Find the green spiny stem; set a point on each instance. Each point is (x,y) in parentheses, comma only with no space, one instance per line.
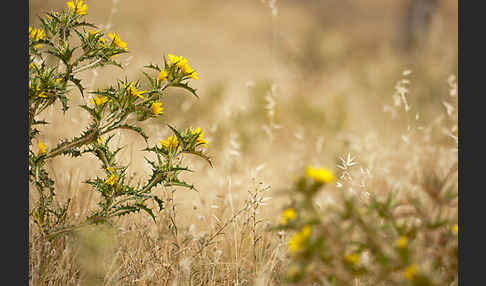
(76,143)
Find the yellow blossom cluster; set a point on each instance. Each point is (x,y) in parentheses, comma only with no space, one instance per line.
(183,65)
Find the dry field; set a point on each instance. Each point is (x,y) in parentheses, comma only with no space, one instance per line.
(310,84)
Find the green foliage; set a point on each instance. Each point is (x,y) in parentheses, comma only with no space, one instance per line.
(372,241)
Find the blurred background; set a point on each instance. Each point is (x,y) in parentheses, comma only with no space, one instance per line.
(282,84)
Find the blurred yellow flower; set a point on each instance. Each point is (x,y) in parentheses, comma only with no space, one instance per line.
(296,241)
(410,272)
(320,175)
(455,228)
(171,141)
(162,76)
(117,41)
(111,180)
(200,139)
(352,258)
(287,215)
(42,94)
(41,147)
(401,242)
(100,140)
(78,8)
(157,108)
(306,231)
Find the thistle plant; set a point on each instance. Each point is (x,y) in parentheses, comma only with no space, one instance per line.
(78,45)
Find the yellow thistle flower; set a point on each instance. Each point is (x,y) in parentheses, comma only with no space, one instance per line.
(410,272)
(401,242)
(287,215)
(36,34)
(455,228)
(78,8)
(189,71)
(162,75)
(111,180)
(171,141)
(117,41)
(157,108)
(352,258)
(320,175)
(200,139)
(182,63)
(100,140)
(41,147)
(42,94)
(175,60)
(58,80)
(134,91)
(99,100)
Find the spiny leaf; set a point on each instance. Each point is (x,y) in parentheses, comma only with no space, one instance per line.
(186,87)
(145,208)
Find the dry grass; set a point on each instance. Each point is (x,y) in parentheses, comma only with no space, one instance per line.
(332,75)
